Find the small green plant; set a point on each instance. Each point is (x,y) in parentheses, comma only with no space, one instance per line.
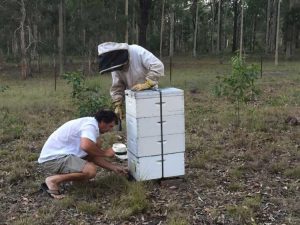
(3,88)
(239,87)
(87,100)
(77,81)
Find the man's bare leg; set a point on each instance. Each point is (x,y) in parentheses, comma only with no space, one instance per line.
(88,172)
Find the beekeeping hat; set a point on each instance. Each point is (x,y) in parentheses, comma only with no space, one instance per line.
(112,56)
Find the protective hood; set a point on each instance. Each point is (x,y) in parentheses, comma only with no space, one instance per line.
(112,56)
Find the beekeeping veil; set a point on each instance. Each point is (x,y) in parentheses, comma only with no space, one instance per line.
(112,56)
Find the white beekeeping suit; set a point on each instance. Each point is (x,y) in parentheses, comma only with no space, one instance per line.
(132,67)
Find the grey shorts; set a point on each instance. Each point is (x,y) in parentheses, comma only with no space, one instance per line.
(66,164)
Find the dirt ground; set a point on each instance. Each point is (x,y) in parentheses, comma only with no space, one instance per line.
(233,175)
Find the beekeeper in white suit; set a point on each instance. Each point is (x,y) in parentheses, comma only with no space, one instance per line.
(131,66)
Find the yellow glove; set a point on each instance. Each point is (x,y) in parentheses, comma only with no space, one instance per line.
(147,85)
(119,109)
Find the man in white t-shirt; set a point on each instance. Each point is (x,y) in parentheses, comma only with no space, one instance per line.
(71,152)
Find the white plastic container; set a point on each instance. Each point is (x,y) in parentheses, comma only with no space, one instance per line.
(148,168)
(149,146)
(147,103)
(145,112)
(151,126)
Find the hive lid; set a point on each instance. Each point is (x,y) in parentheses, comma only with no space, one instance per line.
(171,91)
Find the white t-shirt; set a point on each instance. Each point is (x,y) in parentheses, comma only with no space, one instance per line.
(66,139)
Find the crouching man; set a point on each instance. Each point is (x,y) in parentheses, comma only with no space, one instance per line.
(71,153)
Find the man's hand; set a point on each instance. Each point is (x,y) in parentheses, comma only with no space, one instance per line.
(118,108)
(147,85)
(109,153)
(120,170)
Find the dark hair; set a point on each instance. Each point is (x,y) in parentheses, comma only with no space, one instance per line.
(107,116)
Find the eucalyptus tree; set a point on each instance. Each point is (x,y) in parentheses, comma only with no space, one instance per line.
(272,25)
(219,26)
(196,28)
(162,22)
(254,21)
(277,33)
(291,26)
(242,28)
(235,25)
(126,17)
(61,36)
(145,6)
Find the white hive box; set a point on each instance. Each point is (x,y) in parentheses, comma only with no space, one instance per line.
(148,168)
(147,103)
(145,134)
(148,146)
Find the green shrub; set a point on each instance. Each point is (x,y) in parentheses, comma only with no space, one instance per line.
(87,100)
(239,87)
(3,88)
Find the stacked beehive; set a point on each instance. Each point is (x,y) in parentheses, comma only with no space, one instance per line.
(155,133)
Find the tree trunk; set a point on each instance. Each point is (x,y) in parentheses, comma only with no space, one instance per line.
(134,25)
(8,48)
(61,38)
(24,64)
(277,34)
(145,6)
(89,62)
(242,26)
(162,27)
(290,37)
(219,28)
(268,27)
(235,21)
(83,26)
(126,16)
(273,24)
(195,30)
(172,15)
(253,40)
(212,26)
(14,45)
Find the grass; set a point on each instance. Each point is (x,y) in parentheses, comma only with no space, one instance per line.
(177,220)
(133,202)
(90,208)
(293,172)
(246,210)
(226,165)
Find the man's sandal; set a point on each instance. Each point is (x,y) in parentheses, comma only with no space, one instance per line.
(56,194)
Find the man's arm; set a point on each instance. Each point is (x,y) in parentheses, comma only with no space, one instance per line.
(118,87)
(93,150)
(154,66)
(95,155)
(101,162)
